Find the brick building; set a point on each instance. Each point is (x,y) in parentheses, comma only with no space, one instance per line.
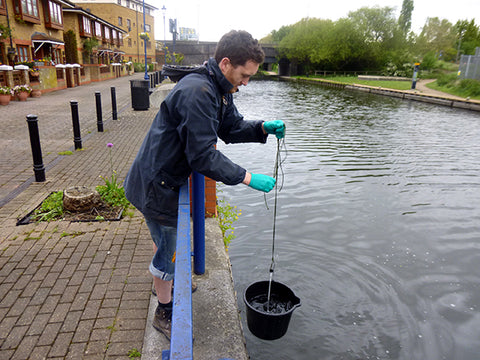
(128,16)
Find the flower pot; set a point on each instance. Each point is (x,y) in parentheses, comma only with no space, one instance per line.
(5,99)
(22,96)
(36,93)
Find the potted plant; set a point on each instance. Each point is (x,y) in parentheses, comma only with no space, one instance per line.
(6,94)
(34,72)
(22,91)
(144,36)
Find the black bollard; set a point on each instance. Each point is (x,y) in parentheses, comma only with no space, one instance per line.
(114,103)
(77,137)
(38,168)
(98,101)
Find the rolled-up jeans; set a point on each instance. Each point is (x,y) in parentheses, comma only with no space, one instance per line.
(165,238)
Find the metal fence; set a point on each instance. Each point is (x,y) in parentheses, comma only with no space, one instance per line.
(469,67)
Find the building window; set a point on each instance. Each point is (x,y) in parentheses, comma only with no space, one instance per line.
(22,52)
(55,12)
(98,30)
(86,27)
(127,3)
(129,25)
(106,32)
(27,10)
(53,15)
(119,2)
(57,56)
(3,8)
(120,21)
(129,42)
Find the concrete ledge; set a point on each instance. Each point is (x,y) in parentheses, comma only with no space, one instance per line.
(384,78)
(159,94)
(217,328)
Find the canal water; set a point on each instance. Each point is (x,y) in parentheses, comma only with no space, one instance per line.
(378,224)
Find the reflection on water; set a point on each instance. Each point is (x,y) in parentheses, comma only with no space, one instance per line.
(378,224)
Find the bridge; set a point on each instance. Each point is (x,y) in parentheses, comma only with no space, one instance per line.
(196,53)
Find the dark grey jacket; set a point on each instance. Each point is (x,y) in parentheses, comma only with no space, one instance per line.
(182,138)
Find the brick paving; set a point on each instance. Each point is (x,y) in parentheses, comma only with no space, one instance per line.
(71,290)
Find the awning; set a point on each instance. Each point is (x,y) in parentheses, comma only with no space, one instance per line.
(39,39)
(104,51)
(117,53)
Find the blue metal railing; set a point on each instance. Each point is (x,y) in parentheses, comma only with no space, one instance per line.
(181,344)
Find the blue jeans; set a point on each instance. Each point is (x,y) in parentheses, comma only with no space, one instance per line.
(165,238)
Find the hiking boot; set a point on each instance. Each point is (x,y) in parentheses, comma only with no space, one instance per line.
(194,288)
(162,321)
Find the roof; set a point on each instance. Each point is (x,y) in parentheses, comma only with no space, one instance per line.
(44,38)
(79,10)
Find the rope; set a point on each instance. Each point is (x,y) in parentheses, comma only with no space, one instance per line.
(278,165)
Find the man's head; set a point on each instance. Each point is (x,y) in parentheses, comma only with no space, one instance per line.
(238,55)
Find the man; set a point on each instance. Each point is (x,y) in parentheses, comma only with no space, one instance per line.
(196,112)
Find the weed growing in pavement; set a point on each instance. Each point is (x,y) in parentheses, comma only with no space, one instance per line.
(112,192)
(51,208)
(134,353)
(227,215)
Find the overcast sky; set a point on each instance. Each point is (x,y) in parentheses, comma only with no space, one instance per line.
(213,18)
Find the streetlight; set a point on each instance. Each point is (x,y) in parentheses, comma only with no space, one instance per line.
(145,43)
(164,11)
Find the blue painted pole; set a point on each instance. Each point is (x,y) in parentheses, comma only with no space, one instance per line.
(198,201)
(181,346)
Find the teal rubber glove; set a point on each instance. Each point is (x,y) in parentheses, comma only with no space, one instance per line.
(276,127)
(262,182)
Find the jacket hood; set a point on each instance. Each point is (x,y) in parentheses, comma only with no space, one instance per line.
(222,82)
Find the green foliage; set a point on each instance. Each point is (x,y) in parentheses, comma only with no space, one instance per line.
(5,31)
(89,44)
(371,38)
(429,61)
(395,84)
(71,54)
(449,83)
(169,57)
(134,353)
(227,215)
(446,79)
(51,208)
(113,192)
(470,87)
(140,67)
(468,36)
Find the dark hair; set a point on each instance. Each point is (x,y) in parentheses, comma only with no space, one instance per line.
(239,46)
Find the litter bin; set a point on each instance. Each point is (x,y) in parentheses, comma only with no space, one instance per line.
(140,94)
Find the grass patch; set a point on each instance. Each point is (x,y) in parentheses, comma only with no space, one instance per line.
(68,152)
(464,88)
(397,85)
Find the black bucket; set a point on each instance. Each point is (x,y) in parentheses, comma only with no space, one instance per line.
(269,324)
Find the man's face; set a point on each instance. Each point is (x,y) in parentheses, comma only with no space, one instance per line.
(239,75)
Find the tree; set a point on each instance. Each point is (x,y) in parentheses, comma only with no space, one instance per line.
(437,36)
(405,18)
(88,45)
(468,37)
(71,54)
